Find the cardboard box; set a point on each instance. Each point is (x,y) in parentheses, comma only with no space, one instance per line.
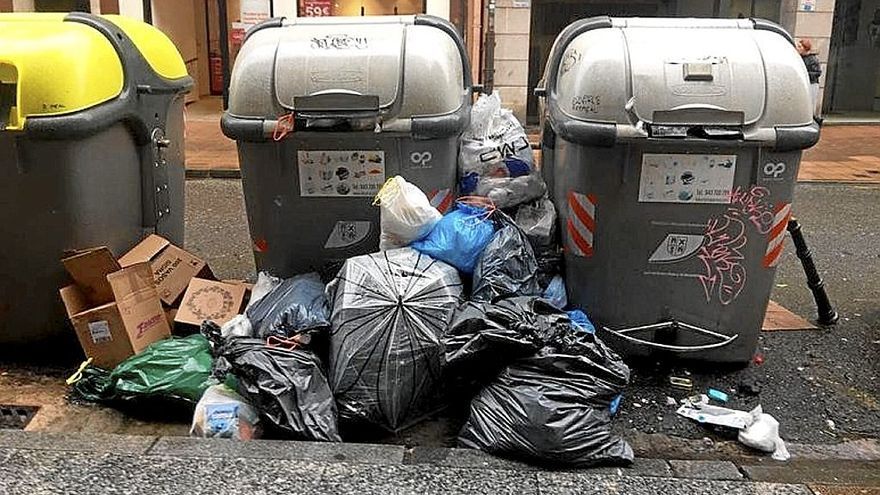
(210,300)
(173,267)
(89,269)
(109,333)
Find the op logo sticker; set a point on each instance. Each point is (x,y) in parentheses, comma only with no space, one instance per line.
(774,170)
(676,247)
(347,233)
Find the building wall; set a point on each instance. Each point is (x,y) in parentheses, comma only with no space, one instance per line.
(815,24)
(512,27)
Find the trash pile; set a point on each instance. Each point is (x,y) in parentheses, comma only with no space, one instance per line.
(467,306)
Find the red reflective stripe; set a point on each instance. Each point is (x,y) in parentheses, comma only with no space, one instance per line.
(446,203)
(772,256)
(581,213)
(578,240)
(778,229)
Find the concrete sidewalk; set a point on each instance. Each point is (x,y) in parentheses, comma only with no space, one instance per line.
(74,463)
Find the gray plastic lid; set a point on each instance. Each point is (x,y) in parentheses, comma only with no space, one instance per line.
(628,72)
(400,67)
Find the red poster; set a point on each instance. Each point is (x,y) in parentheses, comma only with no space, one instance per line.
(317,8)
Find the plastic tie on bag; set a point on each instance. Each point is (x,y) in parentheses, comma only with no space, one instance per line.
(77,375)
(388,190)
(283,127)
(481,202)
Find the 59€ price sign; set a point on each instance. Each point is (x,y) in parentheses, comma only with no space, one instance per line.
(317,8)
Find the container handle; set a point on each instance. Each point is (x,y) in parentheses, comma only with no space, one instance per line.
(624,334)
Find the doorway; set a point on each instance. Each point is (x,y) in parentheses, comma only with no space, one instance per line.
(853,79)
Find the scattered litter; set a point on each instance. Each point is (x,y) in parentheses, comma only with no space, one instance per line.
(758,359)
(670,401)
(702,412)
(637,405)
(717,395)
(782,286)
(222,413)
(800,368)
(681,383)
(831,425)
(406,214)
(763,435)
(749,386)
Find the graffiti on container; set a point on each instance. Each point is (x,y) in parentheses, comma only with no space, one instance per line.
(752,203)
(721,254)
(586,103)
(340,42)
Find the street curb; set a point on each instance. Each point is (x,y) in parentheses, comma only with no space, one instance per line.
(218,173)
(801,471)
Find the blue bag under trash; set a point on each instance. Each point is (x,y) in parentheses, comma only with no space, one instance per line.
(459,237)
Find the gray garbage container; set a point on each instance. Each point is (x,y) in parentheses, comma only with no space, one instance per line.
(91,153)
(674,150)
(324,110)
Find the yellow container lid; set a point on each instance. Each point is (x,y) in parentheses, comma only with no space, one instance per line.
(54,66)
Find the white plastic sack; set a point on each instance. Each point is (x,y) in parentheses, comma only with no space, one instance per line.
(495,159)
(538,221)
(265,284)
(406,214)
(240,326)
(222,413)
(763,435)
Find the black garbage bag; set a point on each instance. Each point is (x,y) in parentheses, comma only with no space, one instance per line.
(288,387)
(295,306)
(553,408)
(389,312)
(482,338)
(507,265)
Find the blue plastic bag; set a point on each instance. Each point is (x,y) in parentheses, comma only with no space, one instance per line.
(555,293)
(580,321)
(459,237)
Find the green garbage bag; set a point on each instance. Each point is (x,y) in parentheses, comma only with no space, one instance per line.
(177,368)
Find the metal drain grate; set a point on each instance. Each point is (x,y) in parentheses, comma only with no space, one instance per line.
(16,417)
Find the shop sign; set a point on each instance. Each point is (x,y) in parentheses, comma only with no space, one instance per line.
(317,8)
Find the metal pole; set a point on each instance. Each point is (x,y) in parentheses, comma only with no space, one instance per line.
(224,49)
(489,52)
(827,314)
(148,11)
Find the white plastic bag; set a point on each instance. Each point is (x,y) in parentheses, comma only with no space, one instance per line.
(406,214)
(538,221)
(222,413)
(265,284)
(763,435)
(495,159)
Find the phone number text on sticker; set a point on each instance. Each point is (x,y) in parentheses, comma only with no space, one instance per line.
(334,173)
(680,178)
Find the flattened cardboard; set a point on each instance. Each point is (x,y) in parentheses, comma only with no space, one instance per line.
(89,270)
(172,266)
(210,300)
(137,299)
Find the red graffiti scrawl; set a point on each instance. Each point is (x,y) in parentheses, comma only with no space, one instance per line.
(751,203)
(722,257)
